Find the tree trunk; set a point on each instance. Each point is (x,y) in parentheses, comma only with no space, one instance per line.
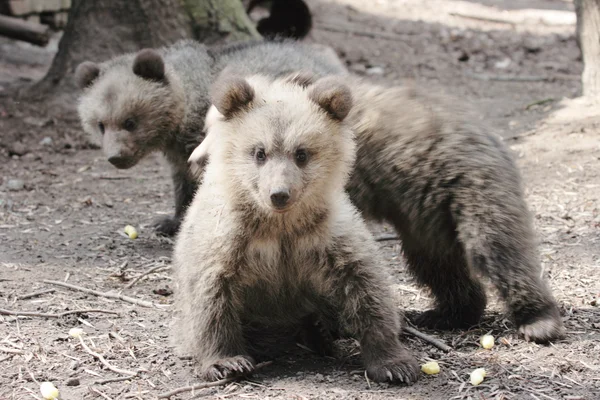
(100,29)
(588,37)
(220,20)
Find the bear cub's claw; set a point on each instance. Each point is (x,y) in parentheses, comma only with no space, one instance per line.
(402,368)
(544,327)
(229,367)
(167,226)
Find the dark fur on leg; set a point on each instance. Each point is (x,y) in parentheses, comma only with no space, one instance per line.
(509,259)
(460,298)
(216,329)
(185,187)
(369,314)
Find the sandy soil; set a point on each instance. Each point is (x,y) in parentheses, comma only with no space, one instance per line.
(516,61)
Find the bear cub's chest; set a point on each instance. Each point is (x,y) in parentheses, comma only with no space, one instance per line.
(283,278)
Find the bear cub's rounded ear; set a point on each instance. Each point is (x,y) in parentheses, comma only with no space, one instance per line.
(86,73)
(302,78)
(332,96)
(231,95)
(148,64)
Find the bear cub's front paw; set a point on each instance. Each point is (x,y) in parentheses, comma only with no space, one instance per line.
(229,367)
(401,368)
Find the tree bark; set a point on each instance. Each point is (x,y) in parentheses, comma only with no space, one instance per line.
(588,37)
(100,29)
(220,20)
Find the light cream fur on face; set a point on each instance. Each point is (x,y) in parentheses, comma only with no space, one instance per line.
(119,95)
(280,119)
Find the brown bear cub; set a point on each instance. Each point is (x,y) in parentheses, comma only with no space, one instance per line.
(271,237)
(454,194)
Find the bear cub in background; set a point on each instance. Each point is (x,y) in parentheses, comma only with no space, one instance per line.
(271,236)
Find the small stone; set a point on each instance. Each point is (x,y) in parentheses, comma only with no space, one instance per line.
(463,56)
(503,64)
(74,365)
(72,382)
(358,68)
(39,122)
(319,377)
(18,149)
(15,184)
(375,71)
(47,141)
(532,45)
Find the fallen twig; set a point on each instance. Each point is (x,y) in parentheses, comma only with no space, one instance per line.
(114,178)
(59,315)
(11,351)
(384,238)
(36,294)
(208,384)
(351,30)
(111,380)
(483,18)
(150,271)
(508,78)
(94,390)
(539,103)
(104,362)
(436,342)
(367,379)
(117,296)
(523,78)
(520,135)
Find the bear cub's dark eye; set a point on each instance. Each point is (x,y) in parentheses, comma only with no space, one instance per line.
(260,155)
(101,127)
(129,124)
(301,157)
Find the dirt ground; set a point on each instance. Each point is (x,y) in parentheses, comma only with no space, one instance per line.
(63,209)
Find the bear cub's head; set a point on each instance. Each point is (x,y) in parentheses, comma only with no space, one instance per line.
(280,144)
(130,105)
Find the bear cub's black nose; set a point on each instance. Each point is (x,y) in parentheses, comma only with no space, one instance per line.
(280,198)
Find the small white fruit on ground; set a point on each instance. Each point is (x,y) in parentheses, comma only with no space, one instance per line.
(477,376)
(76,332)
(131,232)
(49,391)
(487,341)
(430,368)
